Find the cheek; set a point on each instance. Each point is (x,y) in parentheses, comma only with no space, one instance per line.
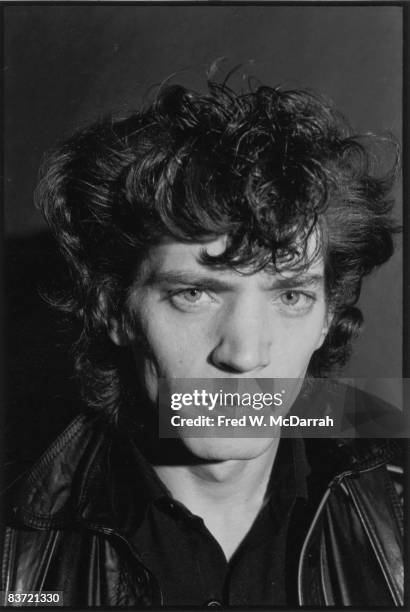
(303,339)
(173,349)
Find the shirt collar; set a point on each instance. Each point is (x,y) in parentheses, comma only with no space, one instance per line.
(288,479)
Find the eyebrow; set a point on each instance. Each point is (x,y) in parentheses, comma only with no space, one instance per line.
(186,278)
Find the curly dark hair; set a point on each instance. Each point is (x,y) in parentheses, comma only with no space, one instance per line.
(268,168)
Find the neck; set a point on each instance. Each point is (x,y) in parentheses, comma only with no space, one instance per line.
(223,482)
(227,495)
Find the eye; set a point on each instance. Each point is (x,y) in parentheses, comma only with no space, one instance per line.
(297,302)
(191,295)
(189,299)
(291,298)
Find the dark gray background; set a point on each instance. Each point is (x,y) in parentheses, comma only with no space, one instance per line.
(68,65)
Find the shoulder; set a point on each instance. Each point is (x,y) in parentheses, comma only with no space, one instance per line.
(89,476)
(43,496)
(355,524)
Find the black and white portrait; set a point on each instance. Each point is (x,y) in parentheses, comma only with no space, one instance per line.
(202,202)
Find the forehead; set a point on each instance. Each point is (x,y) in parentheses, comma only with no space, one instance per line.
(171,256)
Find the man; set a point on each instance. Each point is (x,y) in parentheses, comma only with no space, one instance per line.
(217,236)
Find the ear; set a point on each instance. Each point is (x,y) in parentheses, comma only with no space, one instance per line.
(115,326)
(325,329)
(117,333)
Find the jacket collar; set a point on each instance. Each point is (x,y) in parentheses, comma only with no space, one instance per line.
(82,477)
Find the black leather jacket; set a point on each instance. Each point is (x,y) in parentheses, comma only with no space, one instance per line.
(70,524)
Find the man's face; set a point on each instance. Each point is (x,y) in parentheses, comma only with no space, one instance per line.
(202,322)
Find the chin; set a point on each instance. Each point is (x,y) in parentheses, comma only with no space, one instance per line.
(227,449)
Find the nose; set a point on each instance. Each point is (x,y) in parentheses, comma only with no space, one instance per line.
(244,343)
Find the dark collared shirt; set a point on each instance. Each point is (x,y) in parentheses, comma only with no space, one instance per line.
(188,562)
